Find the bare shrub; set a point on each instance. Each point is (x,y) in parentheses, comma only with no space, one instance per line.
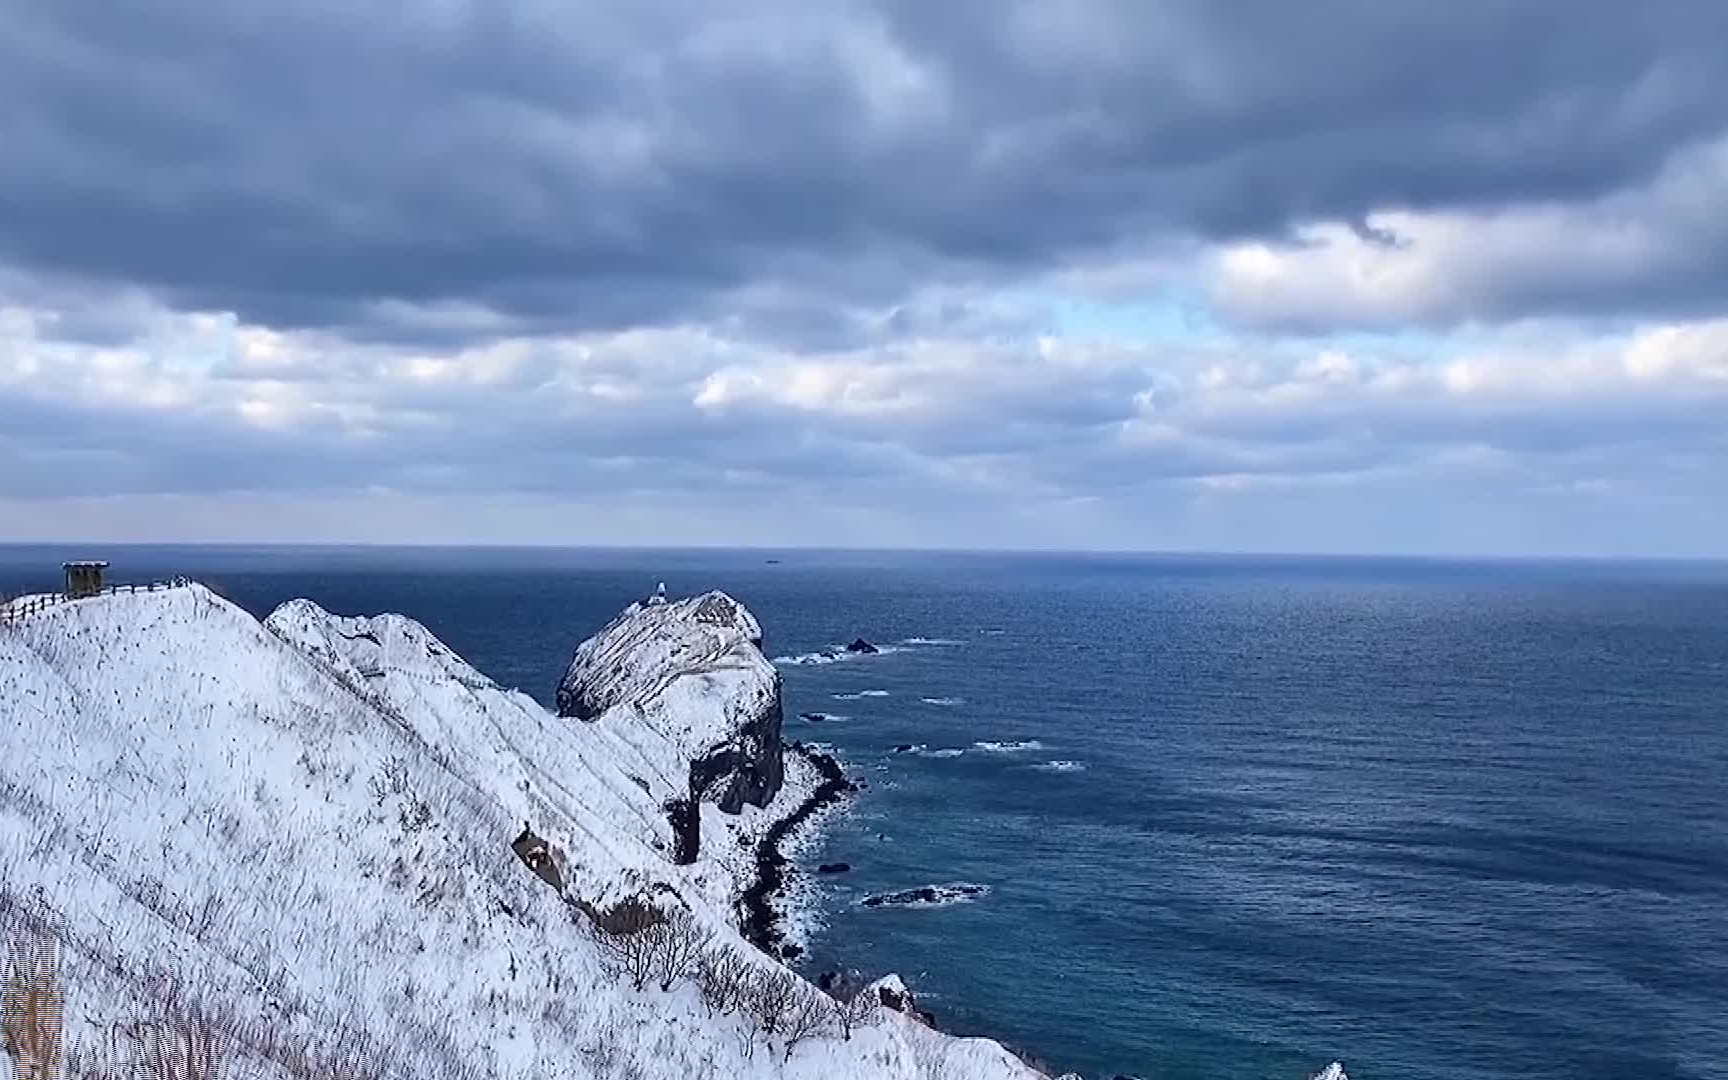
(769,997)
(182,1050)
(808,1017)
(33,1002)
(678,945)
(630,937)
(723,976)
(855,1004)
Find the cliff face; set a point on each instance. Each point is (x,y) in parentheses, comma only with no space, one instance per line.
(314,828)
(688,682)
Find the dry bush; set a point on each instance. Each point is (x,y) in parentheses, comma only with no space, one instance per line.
(723,976)
(678,945)
(629,935)
(769,997)
(33,1002)
(808,1017)
(182,1050)
(855,1004)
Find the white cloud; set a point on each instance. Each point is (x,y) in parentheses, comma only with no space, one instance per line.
(1669,237)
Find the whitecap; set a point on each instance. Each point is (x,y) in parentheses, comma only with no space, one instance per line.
(930,641)
(834,654)
(946,752)
(1019,747)
(1061,766)
(943,701)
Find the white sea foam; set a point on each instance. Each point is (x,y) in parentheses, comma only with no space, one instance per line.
(930,641)
(1019,747)
(946,752)
(834,654)
(860,694)
(1061,766)
(943,701)
(929,896)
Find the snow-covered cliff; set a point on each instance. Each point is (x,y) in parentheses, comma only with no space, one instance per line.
(300,833)
(687,684)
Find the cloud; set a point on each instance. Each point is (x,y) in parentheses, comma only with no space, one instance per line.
(464,170)
(951,440)
(1096,273)
(1659,248)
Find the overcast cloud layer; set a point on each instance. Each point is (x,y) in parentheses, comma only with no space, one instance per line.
(1343,275)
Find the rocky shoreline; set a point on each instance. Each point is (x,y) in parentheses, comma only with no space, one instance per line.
(761,926)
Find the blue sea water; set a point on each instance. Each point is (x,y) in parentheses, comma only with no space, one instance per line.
(1432,819)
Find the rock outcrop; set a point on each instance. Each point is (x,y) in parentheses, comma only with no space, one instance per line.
(686,681)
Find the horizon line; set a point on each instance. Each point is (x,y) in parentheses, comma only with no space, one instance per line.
(1151,553)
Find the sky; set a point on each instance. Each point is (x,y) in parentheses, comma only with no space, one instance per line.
(1375,276)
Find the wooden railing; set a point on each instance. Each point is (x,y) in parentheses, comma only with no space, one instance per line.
(17,609)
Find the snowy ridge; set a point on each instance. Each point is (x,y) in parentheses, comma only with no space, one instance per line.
(306,825)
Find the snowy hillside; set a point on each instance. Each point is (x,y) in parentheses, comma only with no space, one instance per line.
(298,836)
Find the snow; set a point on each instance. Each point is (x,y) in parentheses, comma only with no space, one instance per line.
(305,824)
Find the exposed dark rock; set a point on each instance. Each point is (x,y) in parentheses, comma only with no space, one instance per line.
(927,895)
(814,717)
(834,868)
(686,821)
(759,924)
(859,645)
(904,748)
(537,855)
(750,769)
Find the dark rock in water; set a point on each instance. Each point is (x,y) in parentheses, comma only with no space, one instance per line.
(859,645)
(927,895)
(830,654)
(833,868)
(904,748)
(790,951)
(827,980)
(814,717)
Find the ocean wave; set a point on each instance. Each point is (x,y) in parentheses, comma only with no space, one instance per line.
(836,654)
(930,641)
(946,752)
(1019,747)
(822,717)
(943,701)
(1061,766)
(929,896)
(860,694)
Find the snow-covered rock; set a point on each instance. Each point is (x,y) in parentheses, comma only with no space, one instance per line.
(687,683)
(301,831)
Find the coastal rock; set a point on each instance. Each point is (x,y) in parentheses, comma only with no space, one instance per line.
(859,645)
(928,896)
(692,672)
(815,717)
(834,868)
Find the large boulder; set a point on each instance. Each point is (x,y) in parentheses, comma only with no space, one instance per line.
(686,682)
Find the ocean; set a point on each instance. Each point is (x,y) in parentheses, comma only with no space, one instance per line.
(1230,817)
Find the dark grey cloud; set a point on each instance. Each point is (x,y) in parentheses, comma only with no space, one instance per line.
(608,165)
